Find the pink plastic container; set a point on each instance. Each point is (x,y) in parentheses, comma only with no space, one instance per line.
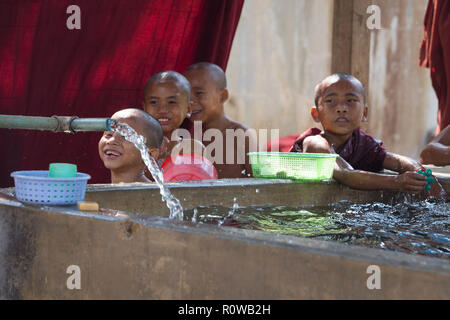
(185,167)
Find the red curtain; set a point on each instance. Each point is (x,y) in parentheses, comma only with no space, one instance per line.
(47,69)
(435,54)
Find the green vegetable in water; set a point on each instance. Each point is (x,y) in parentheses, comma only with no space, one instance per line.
(281,175)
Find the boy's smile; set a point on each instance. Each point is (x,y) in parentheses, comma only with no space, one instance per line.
(116,152)
(110,153)
(165,102)
(205,95)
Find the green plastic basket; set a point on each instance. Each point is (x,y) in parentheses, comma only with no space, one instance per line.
(290,165)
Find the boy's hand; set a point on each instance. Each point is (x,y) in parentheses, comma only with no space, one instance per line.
(436,190)
(411,182)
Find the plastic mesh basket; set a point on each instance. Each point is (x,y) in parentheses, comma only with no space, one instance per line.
(37,187)
(296,166)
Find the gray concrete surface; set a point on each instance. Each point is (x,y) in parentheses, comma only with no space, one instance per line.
(141,255)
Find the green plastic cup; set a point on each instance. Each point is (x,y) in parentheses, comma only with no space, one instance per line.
(62,170)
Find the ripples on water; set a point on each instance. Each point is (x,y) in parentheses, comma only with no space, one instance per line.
(421,227)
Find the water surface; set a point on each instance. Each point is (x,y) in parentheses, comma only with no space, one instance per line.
(419,228)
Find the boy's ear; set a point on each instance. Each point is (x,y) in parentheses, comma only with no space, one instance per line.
(224,95)
(315,113)
(164,147)
(154,152)
(365,113)
(189,109)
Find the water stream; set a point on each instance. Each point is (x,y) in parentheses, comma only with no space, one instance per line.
(174,205)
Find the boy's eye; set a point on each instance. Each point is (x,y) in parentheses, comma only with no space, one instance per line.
(108,134)
(199,93)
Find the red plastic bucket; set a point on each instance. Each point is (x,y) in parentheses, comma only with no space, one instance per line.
(189,166)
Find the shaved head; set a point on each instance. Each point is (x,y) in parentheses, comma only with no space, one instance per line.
(214,70)
(170,76)
(330,80)
(149,126)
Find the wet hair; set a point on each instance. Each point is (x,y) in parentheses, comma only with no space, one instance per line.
(217,72)
(153,131)
(339,76)
(170,76)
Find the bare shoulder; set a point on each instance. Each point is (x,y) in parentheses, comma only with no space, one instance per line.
(443,137)
(231,124)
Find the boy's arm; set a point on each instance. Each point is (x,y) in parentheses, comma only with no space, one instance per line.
(363,180)
(437,152)
(400,164)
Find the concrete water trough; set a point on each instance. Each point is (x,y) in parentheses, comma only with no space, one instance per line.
(131,250)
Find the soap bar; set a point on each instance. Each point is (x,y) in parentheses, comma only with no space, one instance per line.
(88,206)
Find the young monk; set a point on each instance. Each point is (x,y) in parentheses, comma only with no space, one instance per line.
(209,93)
(437,152)
(340,108)
(167,99)
(120,156)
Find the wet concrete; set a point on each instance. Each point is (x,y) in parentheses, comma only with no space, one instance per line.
(140,254)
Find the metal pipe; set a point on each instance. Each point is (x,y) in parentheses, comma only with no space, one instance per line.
(56,123)
(91,124)
(30,123)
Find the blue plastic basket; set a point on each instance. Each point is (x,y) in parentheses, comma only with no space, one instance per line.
(37,187)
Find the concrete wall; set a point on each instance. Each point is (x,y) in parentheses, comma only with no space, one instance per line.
(283,48)
(402,100)
(124,255)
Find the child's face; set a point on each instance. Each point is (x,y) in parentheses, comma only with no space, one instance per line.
(341,107)
(167,104)
(117,153)
(206,96)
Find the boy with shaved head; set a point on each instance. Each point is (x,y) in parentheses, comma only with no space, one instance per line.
(208,94)
(120,156)
(340,108)
(167,99)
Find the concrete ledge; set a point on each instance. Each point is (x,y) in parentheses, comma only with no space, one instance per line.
(125,255)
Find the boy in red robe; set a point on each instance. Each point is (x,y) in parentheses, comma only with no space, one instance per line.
(340,108)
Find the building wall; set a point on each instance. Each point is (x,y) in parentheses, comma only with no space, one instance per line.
(403,103)
(282,50)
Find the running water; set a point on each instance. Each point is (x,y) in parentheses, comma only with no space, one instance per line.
(230,213)
(174,205)
(416,227)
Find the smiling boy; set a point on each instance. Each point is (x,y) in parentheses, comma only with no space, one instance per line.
(167,99)
(209,93)
(341,107)
(120,156)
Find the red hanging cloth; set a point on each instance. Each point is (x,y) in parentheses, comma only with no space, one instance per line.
(435,54)
(47,69)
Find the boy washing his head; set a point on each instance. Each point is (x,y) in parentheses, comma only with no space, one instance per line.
(340,108)
(209,93)
(120,156)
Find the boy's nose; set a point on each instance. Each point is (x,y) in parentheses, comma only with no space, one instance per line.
(163,108)
(342,107)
